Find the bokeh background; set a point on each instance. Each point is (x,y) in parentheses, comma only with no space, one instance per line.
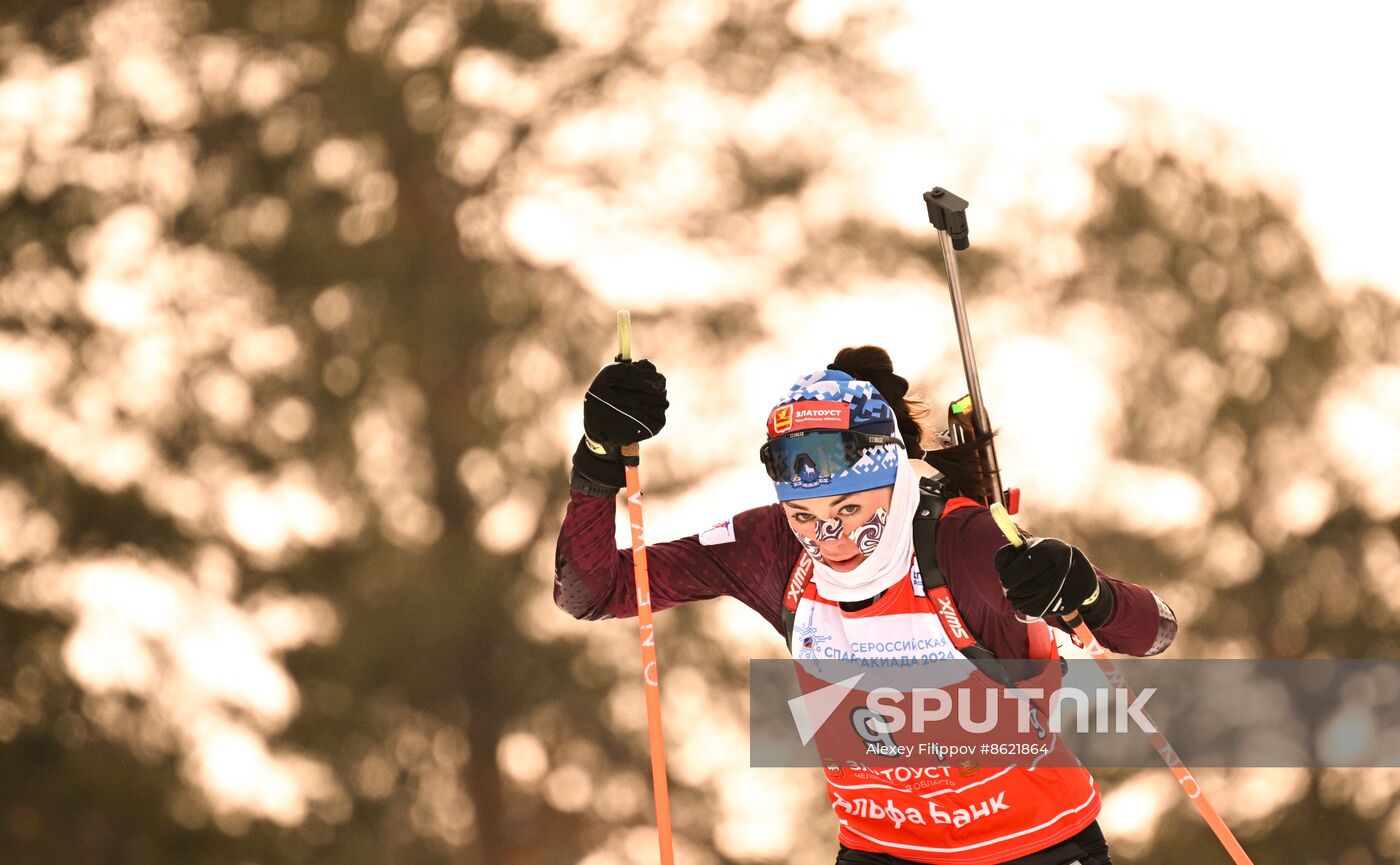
(298,299)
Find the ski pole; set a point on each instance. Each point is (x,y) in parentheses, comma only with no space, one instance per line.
(1159,742)
(631,456)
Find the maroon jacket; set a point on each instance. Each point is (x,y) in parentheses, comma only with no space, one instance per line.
(594,580)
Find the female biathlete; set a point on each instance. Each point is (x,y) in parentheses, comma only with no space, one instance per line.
(838,451)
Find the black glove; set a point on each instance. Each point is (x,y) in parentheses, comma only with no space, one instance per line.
(1048,577)
(625,404)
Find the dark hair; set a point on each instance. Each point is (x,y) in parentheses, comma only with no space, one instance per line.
(872,363)
(963,466)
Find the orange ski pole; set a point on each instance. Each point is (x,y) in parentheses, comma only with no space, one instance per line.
(650,674)
(1159,742)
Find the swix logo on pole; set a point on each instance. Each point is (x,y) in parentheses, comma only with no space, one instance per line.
(809,414)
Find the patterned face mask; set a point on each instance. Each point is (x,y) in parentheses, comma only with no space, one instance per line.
(827,530)
(883,539)
(867,535)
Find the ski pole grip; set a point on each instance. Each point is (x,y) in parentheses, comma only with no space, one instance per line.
(1008,528)
(630,453)
(1013,535)
(624,336)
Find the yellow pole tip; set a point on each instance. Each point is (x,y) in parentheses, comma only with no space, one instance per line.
(624,334)
(1007,527)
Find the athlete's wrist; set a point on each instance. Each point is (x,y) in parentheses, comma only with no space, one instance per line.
(596,475)
(1098,608)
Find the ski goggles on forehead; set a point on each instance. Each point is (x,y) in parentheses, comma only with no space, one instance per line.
(817,453)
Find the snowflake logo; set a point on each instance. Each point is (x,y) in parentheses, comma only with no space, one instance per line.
(808,640)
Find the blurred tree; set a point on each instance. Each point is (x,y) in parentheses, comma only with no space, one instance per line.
(1250,378)
(289,366)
